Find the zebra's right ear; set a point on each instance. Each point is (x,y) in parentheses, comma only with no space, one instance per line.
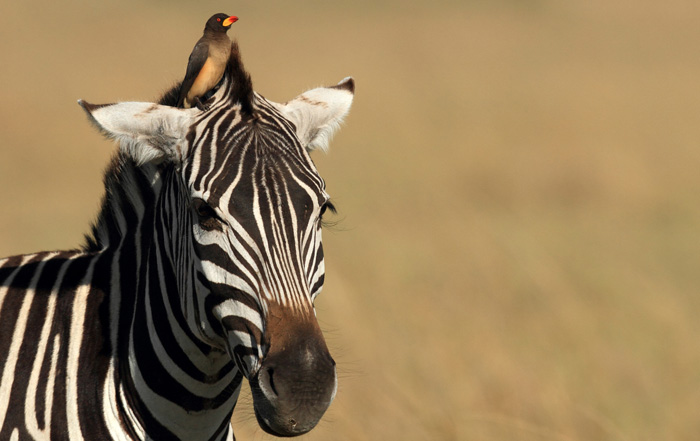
(147,132)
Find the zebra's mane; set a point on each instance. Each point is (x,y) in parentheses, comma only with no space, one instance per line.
(126,182)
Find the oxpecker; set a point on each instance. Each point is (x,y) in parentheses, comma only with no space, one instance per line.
(207,61)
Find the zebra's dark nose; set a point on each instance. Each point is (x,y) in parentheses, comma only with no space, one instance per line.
(294,387)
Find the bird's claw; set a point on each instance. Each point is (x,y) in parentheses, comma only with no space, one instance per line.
(200,105)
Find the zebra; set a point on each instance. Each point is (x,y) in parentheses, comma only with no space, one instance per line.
(200,271)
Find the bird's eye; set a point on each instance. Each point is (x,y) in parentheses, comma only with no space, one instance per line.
(218,19)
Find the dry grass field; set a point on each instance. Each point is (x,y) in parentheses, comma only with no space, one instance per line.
(518,248)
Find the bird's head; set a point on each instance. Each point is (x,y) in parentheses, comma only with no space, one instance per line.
(220,22)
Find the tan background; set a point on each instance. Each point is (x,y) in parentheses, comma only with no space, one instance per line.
(518,184)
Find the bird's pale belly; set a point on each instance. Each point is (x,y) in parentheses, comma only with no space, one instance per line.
(208,77)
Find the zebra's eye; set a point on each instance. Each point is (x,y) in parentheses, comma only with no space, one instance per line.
(327,206)
(208,219)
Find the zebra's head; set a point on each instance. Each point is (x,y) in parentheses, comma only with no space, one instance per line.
(253,202)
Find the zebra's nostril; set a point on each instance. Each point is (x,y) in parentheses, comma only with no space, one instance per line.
(293,422)
(270,372)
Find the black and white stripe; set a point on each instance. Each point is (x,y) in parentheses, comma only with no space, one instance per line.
(200,271)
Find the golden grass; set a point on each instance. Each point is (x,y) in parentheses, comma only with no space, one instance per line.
(518,186)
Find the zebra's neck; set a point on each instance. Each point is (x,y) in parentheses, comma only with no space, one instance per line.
(177,385)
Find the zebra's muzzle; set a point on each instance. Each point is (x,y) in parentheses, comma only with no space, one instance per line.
(294,386)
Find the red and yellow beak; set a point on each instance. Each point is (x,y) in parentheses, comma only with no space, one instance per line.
(229,21)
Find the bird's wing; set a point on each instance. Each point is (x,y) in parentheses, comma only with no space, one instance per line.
(198,57)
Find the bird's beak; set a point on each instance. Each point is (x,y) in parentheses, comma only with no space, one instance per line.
(231,20)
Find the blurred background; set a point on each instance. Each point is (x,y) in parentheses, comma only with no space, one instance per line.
(517,253)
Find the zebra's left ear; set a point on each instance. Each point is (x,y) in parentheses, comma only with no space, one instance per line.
(317,113)
(147,132)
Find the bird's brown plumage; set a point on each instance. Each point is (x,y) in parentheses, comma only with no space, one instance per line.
(207,61)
